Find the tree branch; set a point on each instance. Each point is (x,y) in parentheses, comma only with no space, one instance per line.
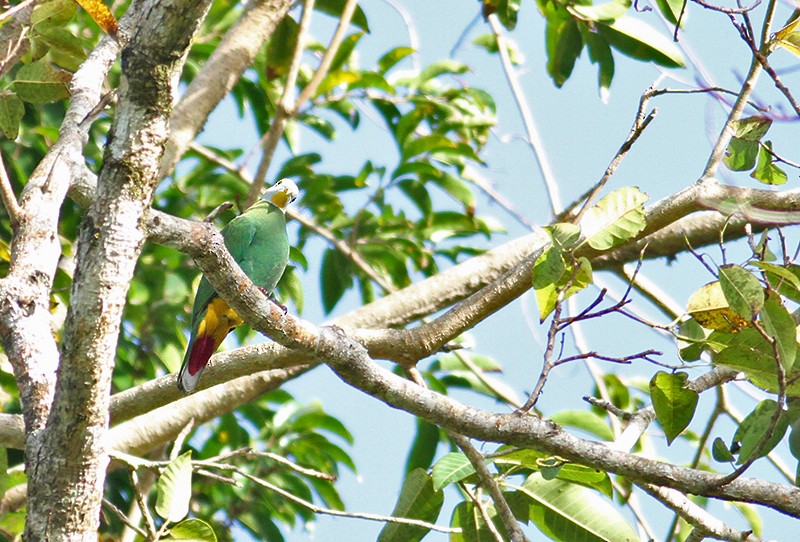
(71,457)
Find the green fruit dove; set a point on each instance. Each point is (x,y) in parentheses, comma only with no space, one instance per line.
(257,241)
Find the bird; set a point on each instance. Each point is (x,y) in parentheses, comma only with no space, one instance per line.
(258,242)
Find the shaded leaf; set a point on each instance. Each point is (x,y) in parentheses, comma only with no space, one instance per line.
(742,290)
(720,451)
(453,467)
(417,500)
(392,58)
(784,279)
(563,44)
(423,448)
(754,427)
(11,112)
(334,8)
(639,40)
(38,82)
(779,325)
(53,12)
(691,340)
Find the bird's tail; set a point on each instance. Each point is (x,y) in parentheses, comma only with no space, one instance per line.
(197,355)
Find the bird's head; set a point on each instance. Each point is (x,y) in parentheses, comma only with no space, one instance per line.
(282,193)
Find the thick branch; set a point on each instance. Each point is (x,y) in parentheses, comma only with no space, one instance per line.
(69,465)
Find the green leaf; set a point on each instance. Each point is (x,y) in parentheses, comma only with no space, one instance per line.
(564,45)
(753,430)
(417,500)
(11,112)
(606,12)
(443,67)
(751,128)
(614,219)
(709,307)
(547,272)
(600,54)
(174,489)
(784,279)
(742,290)
(564,235)
(282,44)
(691,341)
(584,420)
(673,402)
(472,523)
(551,274)
(766,171)
(38,82)
(720,451)
(458,189)
(639,40)
(4,478)
(334,8)
(671,9)
(392,58)
(423,448)
(192,529)
(794,440)
(336,276)
(345,51)
(741,154)
(788,37)
(779,325)
(752,355)
(489,43)
(569,512)
(453,467)
(53,13)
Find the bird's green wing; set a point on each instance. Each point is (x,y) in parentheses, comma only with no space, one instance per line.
(237,234)
(258,242)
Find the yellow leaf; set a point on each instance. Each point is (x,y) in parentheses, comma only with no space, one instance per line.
(101,14)
(788,37)
(710,309)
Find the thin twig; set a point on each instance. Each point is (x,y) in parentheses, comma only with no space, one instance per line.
(7,194)
(290,109)
(490,484)
(250,453)
(123,518)
(176,447)
(338,513)
(7,14)
(148,519)
(773,422)
(639,125)
(283,109)
(534,139)
(610,407)
(730,11)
